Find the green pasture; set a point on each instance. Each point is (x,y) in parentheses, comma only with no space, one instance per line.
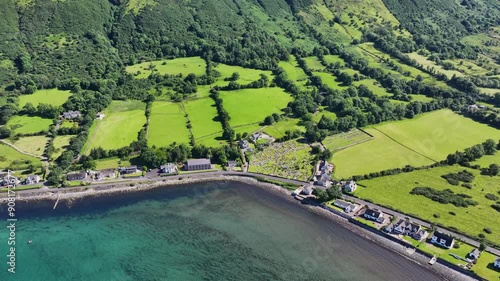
(394,191)
(34,145)
(330,80)
(341,140)
(428,63)
(294,72)
(60,143)
(317,115)
(248,106)
(439,133)
(278,129)
(177,66)
(22,124)
(201,113)
(487,160)
(314,64)
(111,163)
(334,59)
(247,75)
(49,96)
(167,124)
(11,158)
(379,153)
(374,86)
(120,127)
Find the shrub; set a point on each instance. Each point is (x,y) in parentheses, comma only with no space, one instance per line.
(437,216)
(446,196)
(496,206)
(467,185)
(452,181)
(491,196)
(481,236)
(456,246)
(452,213)
(487,230)
(464,176)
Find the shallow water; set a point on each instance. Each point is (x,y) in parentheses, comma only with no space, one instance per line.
(208,231)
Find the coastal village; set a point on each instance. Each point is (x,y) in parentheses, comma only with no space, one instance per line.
(438,245)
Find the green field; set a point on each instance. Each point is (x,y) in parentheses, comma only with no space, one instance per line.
(201,113)
(10,158)
(444,254)
(330,80)
(28,125)
(314,64)
(380,153)
(50,96)
(182,66)
(322,111)
(438,133)
(247,75)
(167,124)
(123,121)
(487,160)
(278,129)
(68,124)
(428,63)
(342,140)
(394,191)
(374,86)
(334,59)
(60,143)
(111,163)
(294,72)
(34,145)
(250,106)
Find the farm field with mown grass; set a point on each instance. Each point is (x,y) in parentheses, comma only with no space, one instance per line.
(394,191)
(201,113)
(323,111)
(34,145)
(340,140)
(120,127)
(182,66)
(11,158)
(278,129)
(377,154)
(439,133)
(374,86)
(248,106)
(167,124)
(22,124)
(60,143)
(54,97)
(487,160)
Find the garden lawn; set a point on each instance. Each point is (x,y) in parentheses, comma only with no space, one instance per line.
(444,254)
(377,154)
(34,145)
(11,158)
(167,124)
(249,106)
(278,129)
(60,143)
(120,127)
(484,267)
(50,96)
(202,113)
(28,125)
(111,163)
(182,66)
(394,192)
(439,133)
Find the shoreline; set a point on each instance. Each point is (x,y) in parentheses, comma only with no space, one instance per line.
(68,196)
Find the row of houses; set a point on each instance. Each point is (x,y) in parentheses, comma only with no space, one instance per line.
(10,180)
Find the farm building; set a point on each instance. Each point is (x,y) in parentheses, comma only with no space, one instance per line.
(198,164)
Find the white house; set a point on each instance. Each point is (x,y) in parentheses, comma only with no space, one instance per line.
(169,168)
(32,179)
(346,206)
(374,215)
(10,180)
(442,239)
(474,254)
(350,186)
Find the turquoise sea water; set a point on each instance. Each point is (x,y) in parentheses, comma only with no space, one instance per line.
(209,231)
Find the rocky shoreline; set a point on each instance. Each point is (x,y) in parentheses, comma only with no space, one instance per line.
(68,196)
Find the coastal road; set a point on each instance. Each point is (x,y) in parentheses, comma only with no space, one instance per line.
(153,176)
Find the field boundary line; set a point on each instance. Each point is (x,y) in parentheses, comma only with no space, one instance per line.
(405,146)
(89,141)
(22,151)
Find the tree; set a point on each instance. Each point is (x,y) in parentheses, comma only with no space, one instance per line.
(320,194)
(334,192)
(269,120)
(4,132)
(489,147)
(494,169)
(235,76)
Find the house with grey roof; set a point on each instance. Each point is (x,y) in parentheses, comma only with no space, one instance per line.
(442,239)
(105,173)
(32,179)
(496,264)
(346,206)
(374,215)
(350,186)
(76,176)
(474,254)
(9,180)
(129,170)
(198,164)
(71,114)
(324,180)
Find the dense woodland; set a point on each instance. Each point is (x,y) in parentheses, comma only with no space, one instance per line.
(46,46)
